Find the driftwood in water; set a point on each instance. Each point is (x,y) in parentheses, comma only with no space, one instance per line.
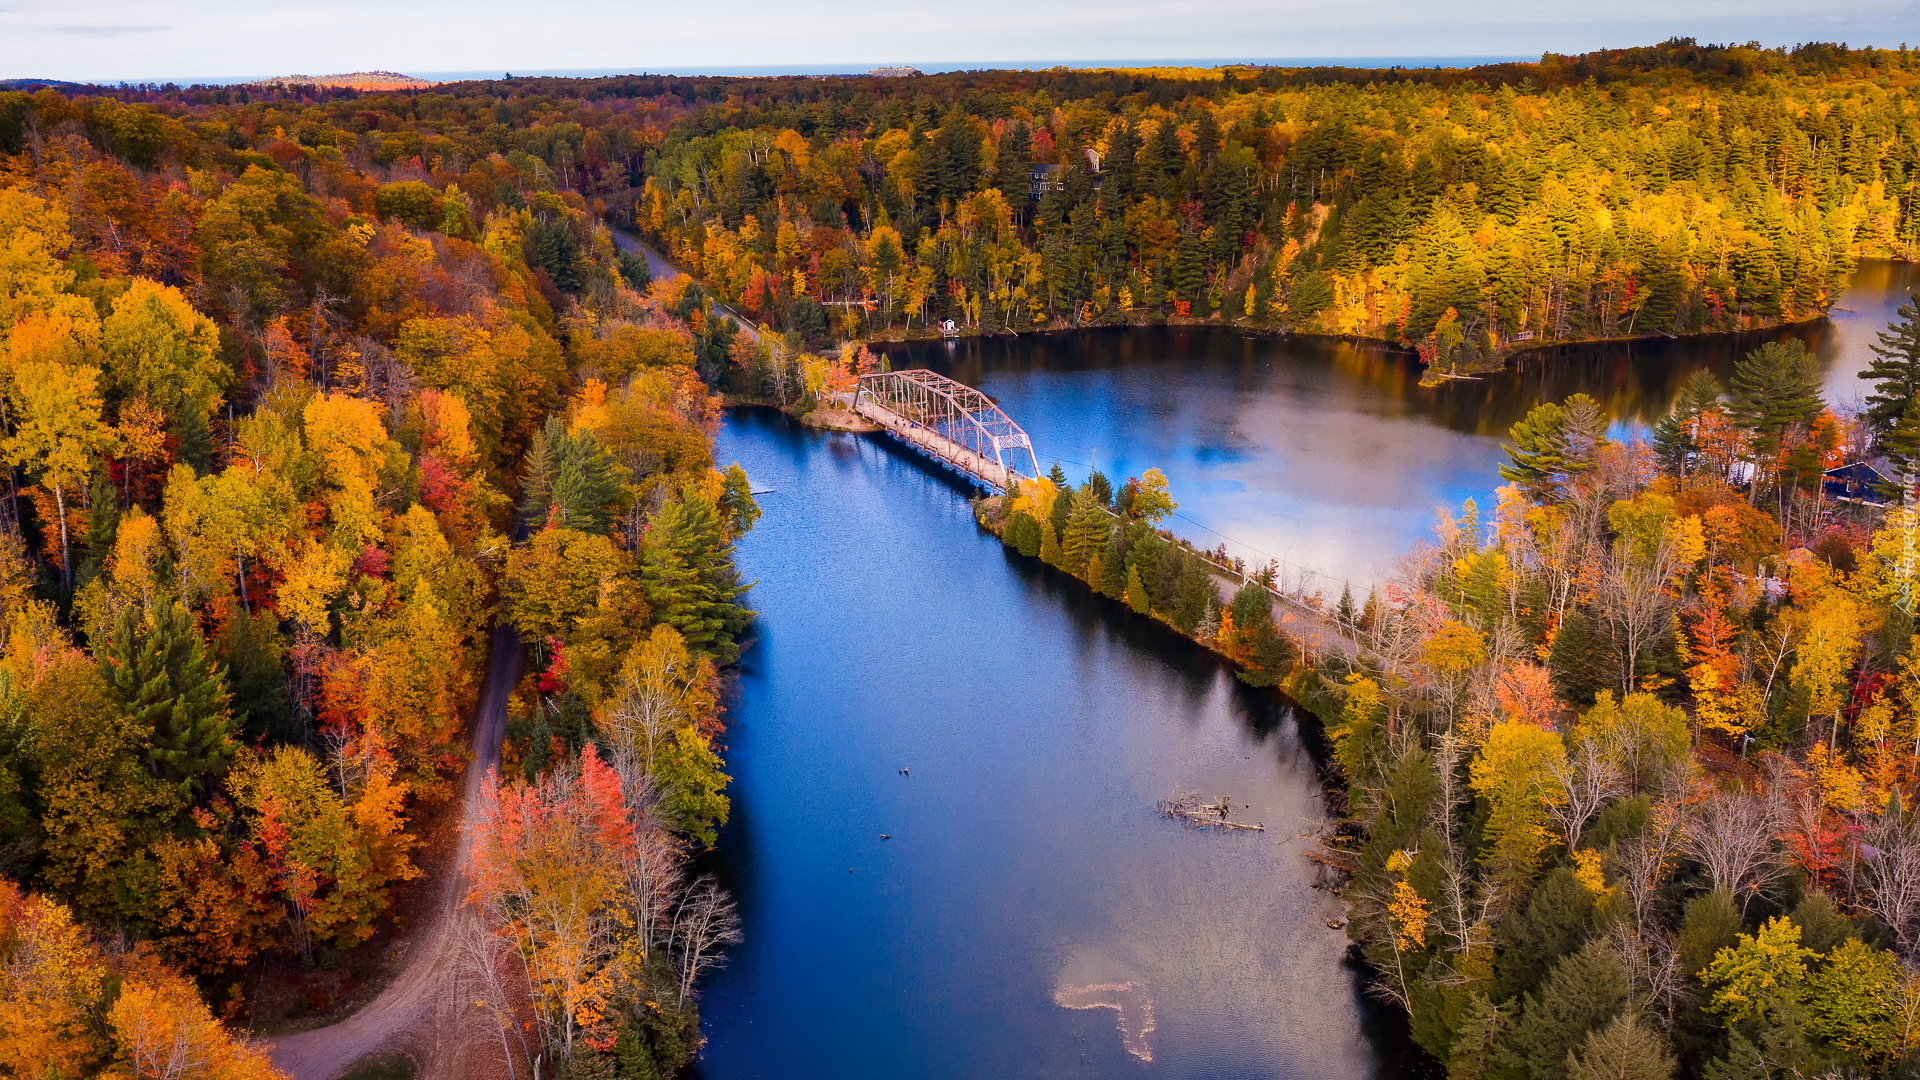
(1188,808)
(1344,861)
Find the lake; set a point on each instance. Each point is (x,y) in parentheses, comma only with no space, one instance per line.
(947,760)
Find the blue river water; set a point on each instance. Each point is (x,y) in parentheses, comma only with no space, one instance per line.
(947,760)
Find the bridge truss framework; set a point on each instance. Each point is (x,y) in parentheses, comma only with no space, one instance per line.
(950,421)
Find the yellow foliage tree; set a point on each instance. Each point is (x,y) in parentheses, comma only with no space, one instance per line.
(1514,772)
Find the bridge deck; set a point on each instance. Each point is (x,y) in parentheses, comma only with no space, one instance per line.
(977,466)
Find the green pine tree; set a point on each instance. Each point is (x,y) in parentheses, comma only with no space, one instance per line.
(1673,436)
(1102,487)
(571,476)
(1710,923)
(1895,369)
(737,505)
(157,666)
(1629,1047)
(1582,992)
(1136,592)
(1023,534)
(1050,552)
(1555,922)
(1775,390)
(1552,443)
(1580,657)
(1113,567)
(1901,444)
(1472,1055)
(254,652)
(1088,528)
(688,576)
(1194,594)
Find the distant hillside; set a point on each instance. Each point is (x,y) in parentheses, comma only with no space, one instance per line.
(358,80)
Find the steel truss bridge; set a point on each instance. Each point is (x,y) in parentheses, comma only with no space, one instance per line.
(950,422)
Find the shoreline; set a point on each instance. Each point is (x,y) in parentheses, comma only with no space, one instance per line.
(1498,362)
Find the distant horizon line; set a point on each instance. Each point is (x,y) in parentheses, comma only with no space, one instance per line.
(828,69)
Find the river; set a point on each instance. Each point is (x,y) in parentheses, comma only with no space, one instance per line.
(1028,913)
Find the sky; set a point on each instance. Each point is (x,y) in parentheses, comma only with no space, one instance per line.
(191,40)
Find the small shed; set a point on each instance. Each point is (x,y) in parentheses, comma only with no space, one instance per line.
(1858,482)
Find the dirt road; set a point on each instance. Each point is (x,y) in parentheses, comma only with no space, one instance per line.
(662,270)
(420,1014)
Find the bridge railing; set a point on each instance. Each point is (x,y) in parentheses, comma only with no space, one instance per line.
(957,413)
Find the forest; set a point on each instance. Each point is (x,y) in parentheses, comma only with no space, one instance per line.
(1466,217)
(314,403)
(1467,213)
(1631,766)
(294,441)
(1628,760)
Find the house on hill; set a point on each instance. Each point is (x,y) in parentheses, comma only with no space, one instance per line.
(1858,482)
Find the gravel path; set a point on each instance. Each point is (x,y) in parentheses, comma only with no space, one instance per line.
(418,1014)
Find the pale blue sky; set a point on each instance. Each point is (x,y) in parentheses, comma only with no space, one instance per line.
(112,40)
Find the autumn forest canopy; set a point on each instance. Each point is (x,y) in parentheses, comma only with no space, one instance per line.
(322,412)
(294,441)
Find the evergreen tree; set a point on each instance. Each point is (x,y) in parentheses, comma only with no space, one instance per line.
(1630,1047)
(1711,923)
(1895,369)
(1023,533)
(1136,594)
(1580,657)
(1270,656)
(1776,389)
(1472,1055)
(1050,552)
(1088,528)
(1102,488)
(1901,444)
(1252,606)
(1113,567)
(1013,163)
(573,474)
(254,653)
(688,576)
(1194,595)
(1582,992)
(156,666)
(1555,922)
(1552,443)
(1673,436)
(737,505)
(636,272)
(1821,925)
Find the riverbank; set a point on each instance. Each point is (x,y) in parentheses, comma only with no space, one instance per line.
(1303,679)
(1506,356)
